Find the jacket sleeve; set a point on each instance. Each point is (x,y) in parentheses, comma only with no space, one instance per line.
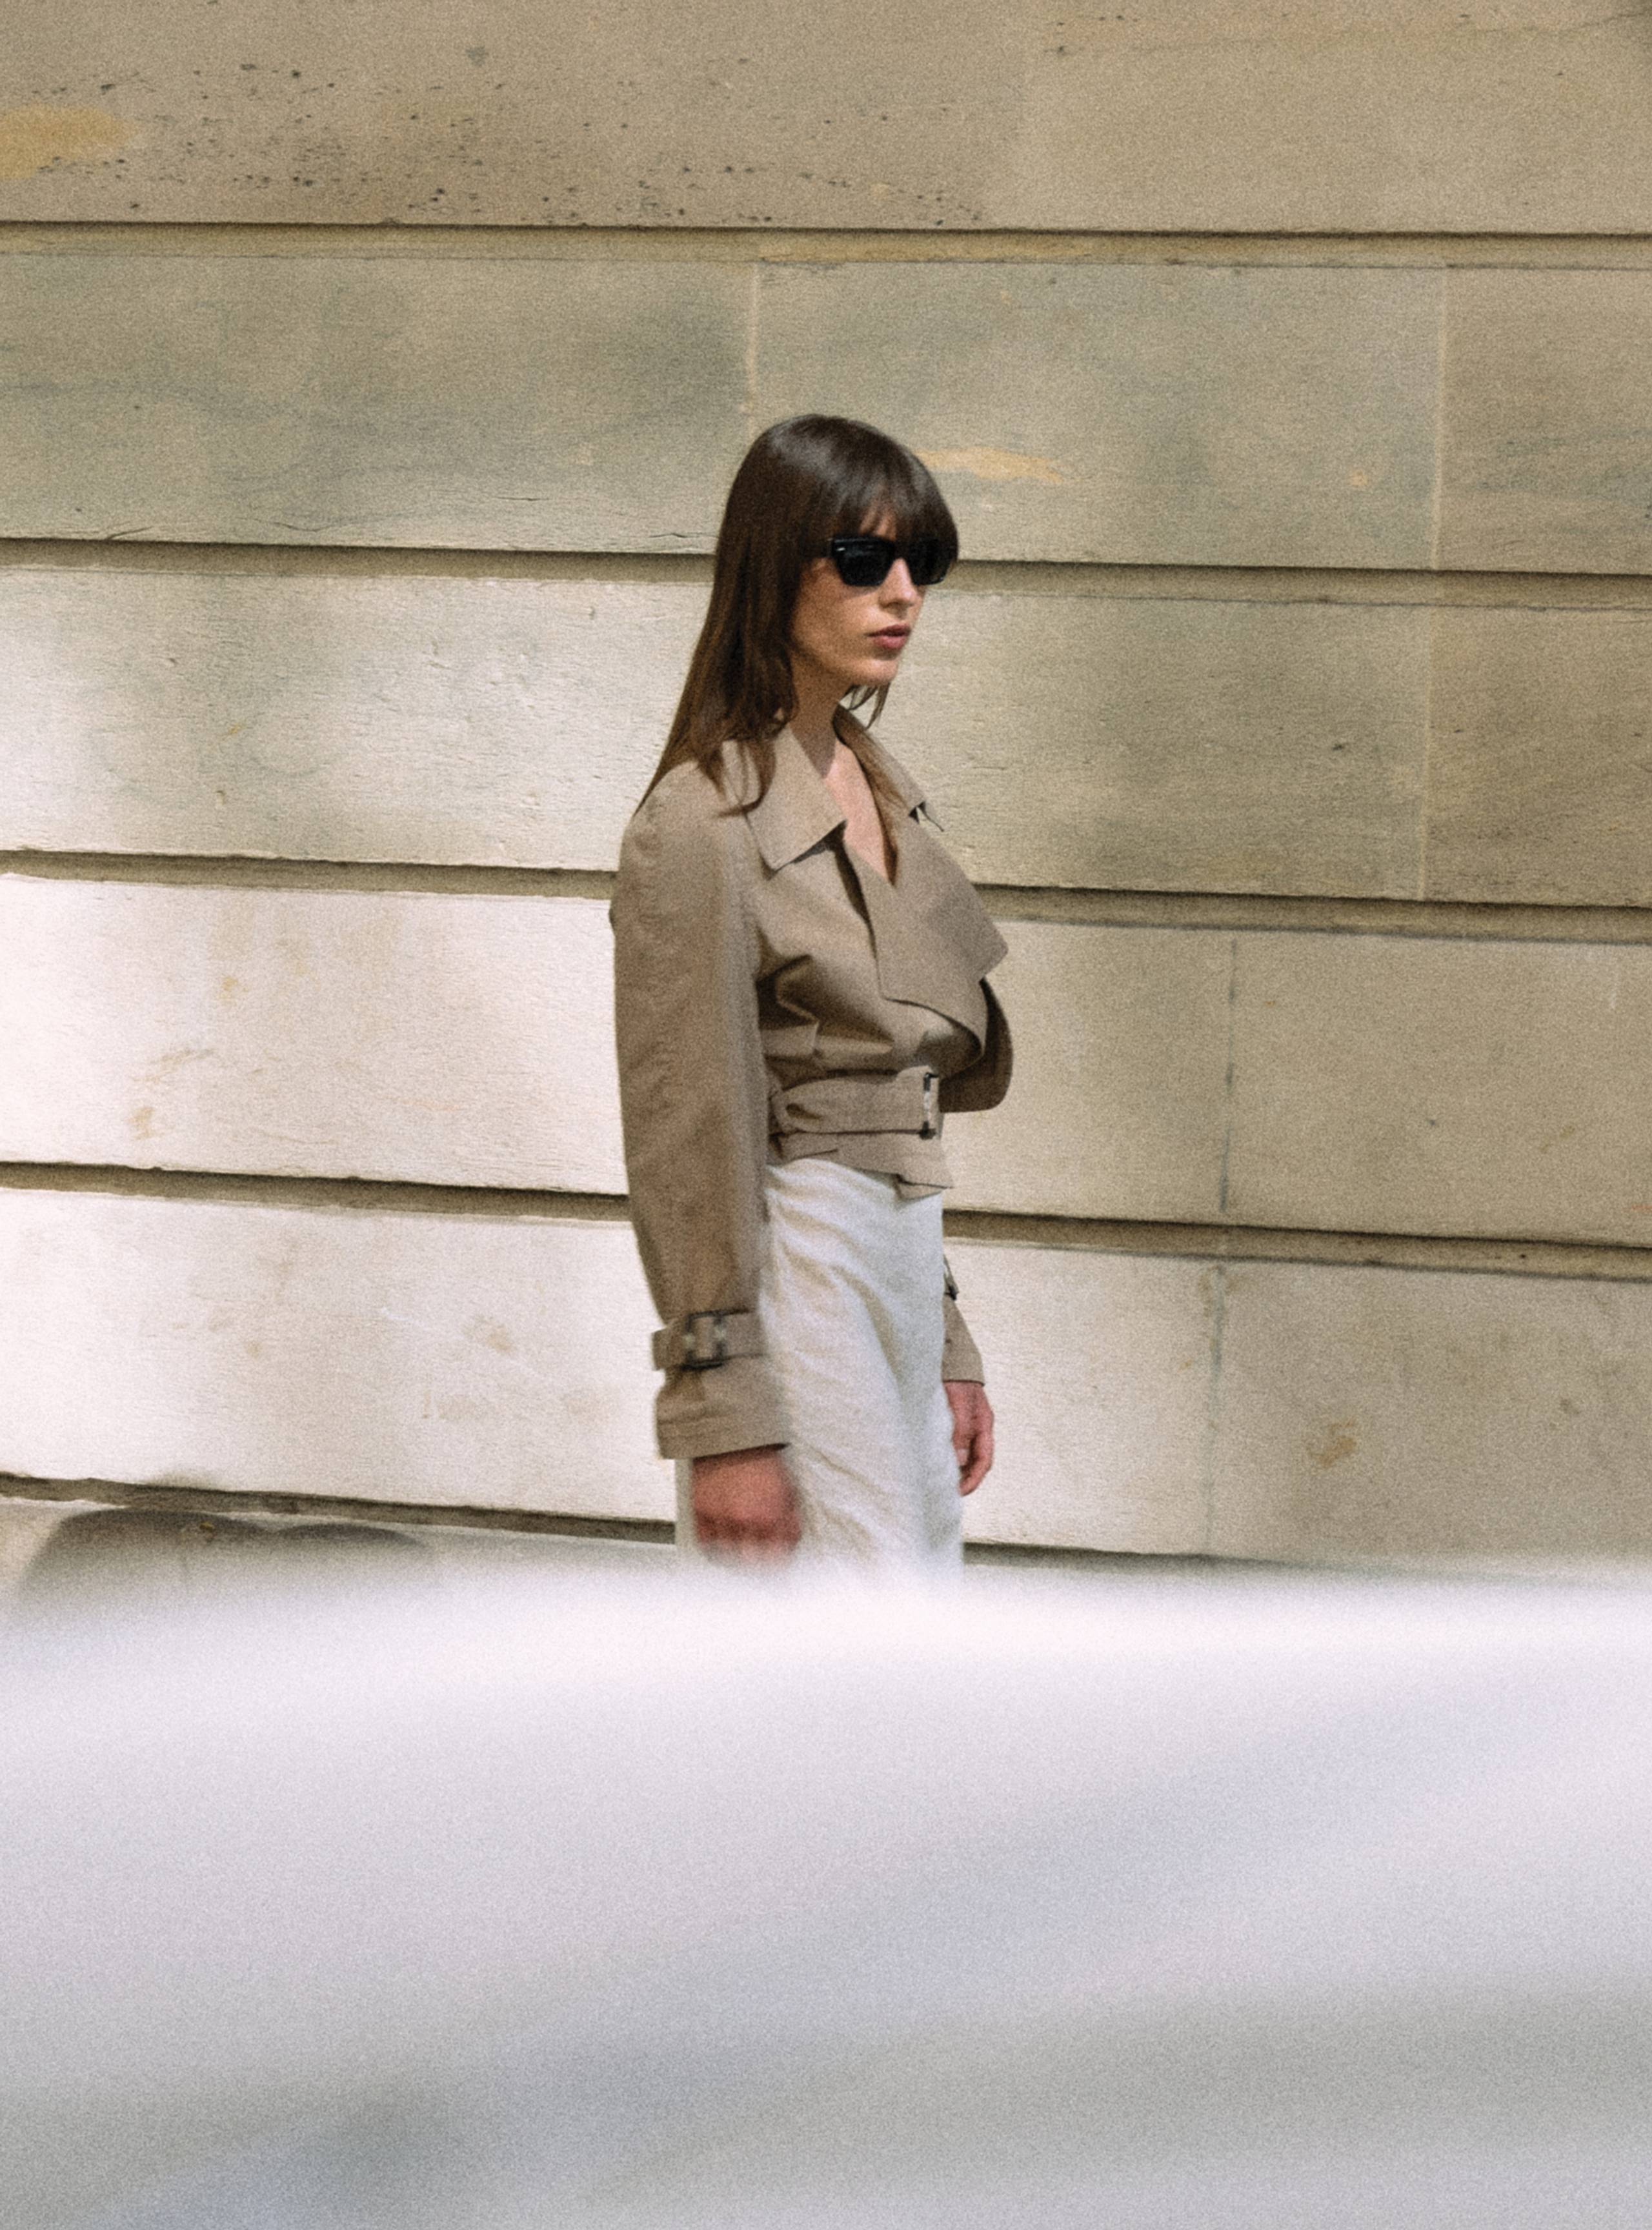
(960,1357)
(984,1084)
(693,1099)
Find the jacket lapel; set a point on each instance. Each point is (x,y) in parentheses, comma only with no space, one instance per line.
(932,937)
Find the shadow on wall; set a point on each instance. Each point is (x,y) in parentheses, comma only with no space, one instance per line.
(160,1560)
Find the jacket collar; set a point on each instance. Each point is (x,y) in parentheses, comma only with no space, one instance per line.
(931,938)
(797,810)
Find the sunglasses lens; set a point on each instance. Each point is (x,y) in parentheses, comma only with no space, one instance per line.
(862,565)
(863,560)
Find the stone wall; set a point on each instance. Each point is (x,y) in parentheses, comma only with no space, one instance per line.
(368,393)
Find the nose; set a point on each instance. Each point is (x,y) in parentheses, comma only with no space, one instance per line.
(899,588)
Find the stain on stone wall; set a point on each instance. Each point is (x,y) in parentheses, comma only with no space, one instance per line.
(1248,115)
(40,138)
(995,465)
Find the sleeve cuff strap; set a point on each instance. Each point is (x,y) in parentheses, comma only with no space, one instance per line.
(701,1341)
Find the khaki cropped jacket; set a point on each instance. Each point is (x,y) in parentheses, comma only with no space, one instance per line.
(774,997)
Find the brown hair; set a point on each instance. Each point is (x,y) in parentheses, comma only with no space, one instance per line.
(801,482)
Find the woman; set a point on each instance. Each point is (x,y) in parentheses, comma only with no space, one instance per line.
(799,976)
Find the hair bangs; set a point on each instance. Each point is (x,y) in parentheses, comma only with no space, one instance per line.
(802,481)
(881,482)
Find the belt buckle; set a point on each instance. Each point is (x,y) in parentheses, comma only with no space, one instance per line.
(702,1351)
(930,1127)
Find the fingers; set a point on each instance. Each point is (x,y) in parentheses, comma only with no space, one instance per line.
(975,1457)
(971,1432)
(782,1528)
(733,1541)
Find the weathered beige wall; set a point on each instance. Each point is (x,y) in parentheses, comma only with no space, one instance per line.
(1150,1402)
(1251,413)
(453,1040)
(442,1353)
(1543,420)
(1180,115)
(1540,785)
(477,402)
(1377,1410)
(1160,743)
(369,389)
(1485,1088)
(1322,738)
(498,404)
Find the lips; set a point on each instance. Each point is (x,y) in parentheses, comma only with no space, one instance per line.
(892,638)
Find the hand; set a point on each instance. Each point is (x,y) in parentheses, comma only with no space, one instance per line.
(745,1507)
(971,1432)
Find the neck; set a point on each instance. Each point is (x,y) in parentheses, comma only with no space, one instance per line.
(812,723)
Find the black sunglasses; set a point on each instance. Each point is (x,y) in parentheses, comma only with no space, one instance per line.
(863,560)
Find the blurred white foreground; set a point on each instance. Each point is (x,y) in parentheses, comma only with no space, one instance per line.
(587,1901)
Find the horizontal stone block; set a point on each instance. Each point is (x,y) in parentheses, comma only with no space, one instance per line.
(1171,743)
(480,1361)
(1084,740)
(1092,741)
(1120,1083)
(1246,415)
(433,1359)
(1540,758)
(1351,116)
(467,403)
(457,1039)
(452,1040)
(504,722)
(1544,465)
(1375,1412)
(1473,1088)
(1259,415)
(1210,115)
(1303,1412)
(1098,1366)
(1400,1084)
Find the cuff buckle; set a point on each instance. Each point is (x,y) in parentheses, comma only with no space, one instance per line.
(704,1340)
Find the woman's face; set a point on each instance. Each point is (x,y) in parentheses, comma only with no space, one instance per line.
(855,636)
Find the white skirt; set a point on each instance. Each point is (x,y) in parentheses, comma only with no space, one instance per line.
(850,1302)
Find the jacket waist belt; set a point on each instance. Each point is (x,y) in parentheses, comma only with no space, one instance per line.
(838,1106)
